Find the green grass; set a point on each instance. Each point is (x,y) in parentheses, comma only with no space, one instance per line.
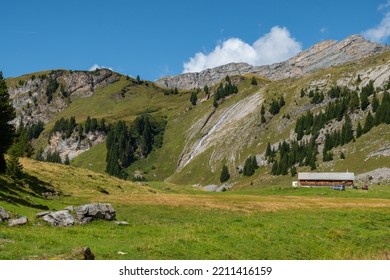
(168,221)
(156,233)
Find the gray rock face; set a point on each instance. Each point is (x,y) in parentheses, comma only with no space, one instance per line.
(322,55)
(88,212)
(59,218)
(17,222)
(31,102)
(3,215)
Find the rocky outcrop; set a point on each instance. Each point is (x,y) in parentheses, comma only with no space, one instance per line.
(88,212)
(17,222)
(322,55)
(377,176)
(73,146)
(40,96)
(3,215)
(61,218)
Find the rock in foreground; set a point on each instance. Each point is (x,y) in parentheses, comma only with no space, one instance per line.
(3,215)
(88,212)
(17,222)
(59,218)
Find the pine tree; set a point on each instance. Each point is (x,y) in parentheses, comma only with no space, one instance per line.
(347,131)
(268,150)
(193,98)
(253,81)
(88,125)
(248,167)
(254,163)
(370,122)
(359,130)
(275,168)
(262,110)
(7,114)
(375,104)
(224,174)
(364,101)
(281,101)
(13,168)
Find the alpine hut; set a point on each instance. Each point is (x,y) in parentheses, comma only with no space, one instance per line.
(323,179)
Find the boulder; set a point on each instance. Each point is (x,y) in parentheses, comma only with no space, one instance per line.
(88,212)
(88,255)
(121,223)
(41,214)
(17,222)
(3,215)
(59,218)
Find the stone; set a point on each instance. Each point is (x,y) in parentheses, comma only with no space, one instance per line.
(17,222)
(210,188)
(88,255)
(3,215)
(88,212)
(69,208)
(121,223)
(41,214)
(59,218)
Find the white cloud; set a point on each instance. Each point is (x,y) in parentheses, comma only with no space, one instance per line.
(96,66)
(275,46)
(381,32)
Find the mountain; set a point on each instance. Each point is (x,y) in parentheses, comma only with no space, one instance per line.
(322,55)
(307,121)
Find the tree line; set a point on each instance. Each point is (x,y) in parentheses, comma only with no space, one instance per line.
(126,144)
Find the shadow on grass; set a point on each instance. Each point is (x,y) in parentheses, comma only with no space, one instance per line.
(14,190)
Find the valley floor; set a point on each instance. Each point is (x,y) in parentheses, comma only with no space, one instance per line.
(167,221)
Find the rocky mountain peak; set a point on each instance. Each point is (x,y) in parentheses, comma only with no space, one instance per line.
(322,55)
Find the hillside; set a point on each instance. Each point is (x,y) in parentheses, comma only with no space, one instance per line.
(196,140)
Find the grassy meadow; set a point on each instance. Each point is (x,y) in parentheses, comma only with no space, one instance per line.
(168,221)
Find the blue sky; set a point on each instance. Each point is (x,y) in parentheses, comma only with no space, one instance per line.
(157,38)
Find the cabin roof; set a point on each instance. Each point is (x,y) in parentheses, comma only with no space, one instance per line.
(327,176)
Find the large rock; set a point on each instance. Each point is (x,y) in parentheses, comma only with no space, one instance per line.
(17,222)
(3,215)
(86,213)
(59,218)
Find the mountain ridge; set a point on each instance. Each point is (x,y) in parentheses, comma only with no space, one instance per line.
(322,55)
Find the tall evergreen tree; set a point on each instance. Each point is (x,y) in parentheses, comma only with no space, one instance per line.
(225,175)
(347,131)
(249,169)
(364,101)
(7,114)
(13,168)
(193,98)
(375,104)
(253,81)
(370,122)
(359,130)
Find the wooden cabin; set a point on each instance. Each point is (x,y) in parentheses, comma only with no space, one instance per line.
(325,179)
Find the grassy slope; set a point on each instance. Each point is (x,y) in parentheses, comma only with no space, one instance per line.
(176,222)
